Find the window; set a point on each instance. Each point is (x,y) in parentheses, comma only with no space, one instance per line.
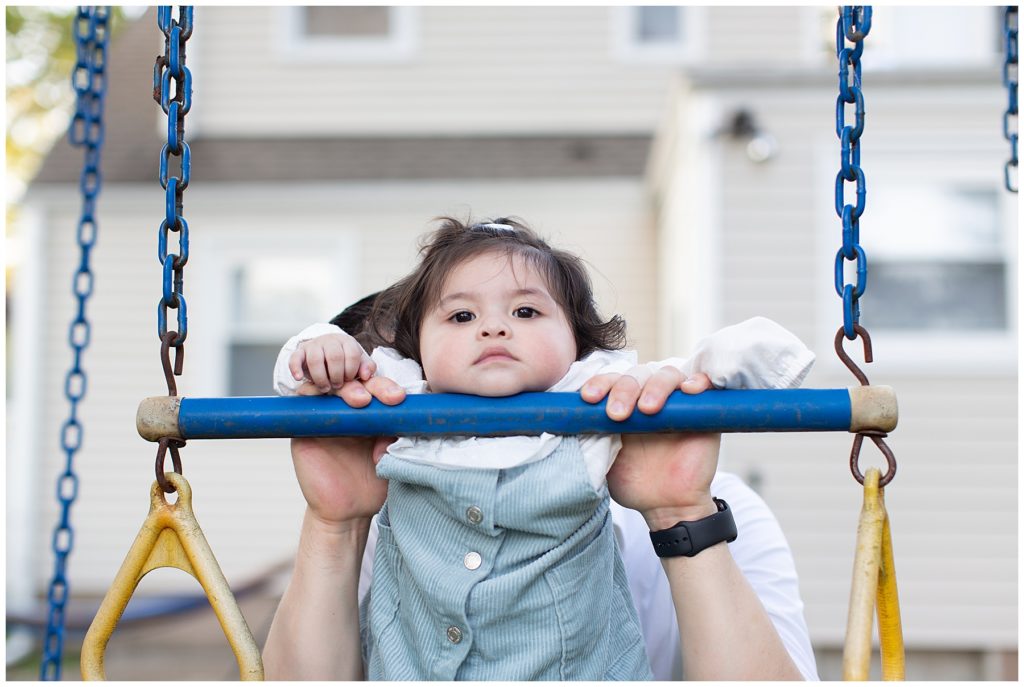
(657,33)
(347,22)
(658,25)
(349,33)
(258,294)
(933,37)
(943,267)
(270,300)
(939,232)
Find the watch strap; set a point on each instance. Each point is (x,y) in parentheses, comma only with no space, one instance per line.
(690,538)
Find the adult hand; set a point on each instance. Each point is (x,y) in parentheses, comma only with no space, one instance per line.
(338,478)
(358,393)
(667,477)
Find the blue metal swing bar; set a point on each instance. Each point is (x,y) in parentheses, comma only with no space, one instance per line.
(857,409)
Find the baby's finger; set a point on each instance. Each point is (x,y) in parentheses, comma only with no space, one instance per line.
(657,389)
(316,368)
(696,383)
(296,361)
(598,386)
(385,390)
(367,367)
(622,398)
(335,361)
(354,354)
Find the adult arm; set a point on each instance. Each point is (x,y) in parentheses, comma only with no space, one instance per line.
(724,630)
(315,632)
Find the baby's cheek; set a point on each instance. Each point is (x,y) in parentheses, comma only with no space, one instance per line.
(437,376)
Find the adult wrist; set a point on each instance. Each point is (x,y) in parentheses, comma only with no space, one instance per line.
(665,517)
(690,537)
(330,538)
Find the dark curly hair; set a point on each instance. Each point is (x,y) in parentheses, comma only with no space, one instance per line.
(397,312)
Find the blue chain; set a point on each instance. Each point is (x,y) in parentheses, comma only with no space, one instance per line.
(1010,73)
(171,67)
(854,24)
(89,82)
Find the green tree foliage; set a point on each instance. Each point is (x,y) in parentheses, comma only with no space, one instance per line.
(40,57)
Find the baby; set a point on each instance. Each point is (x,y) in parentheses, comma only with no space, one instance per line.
(496,557)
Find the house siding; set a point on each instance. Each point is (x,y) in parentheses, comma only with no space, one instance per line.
(953,501)
(285,149)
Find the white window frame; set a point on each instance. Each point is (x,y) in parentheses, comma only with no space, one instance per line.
(400,45)
(687,49)
(925,353)
(342,247)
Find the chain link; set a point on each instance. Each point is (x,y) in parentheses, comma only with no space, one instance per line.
(1010,78)
(174,179)
(86,130)
(170,67)
(854,24)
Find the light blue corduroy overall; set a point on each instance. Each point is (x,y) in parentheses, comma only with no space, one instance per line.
(499,574)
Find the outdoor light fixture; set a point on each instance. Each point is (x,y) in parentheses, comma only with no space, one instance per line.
(742,128)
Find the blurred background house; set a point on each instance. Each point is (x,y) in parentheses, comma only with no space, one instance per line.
(688,153)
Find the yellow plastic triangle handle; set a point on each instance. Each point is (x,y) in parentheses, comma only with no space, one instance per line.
(873,586)
(171,538)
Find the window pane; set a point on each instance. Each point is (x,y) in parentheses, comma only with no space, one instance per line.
(930,221)
(935,296)
(251,369)
(658,24)
(286,292)
(933,36)
(348,22)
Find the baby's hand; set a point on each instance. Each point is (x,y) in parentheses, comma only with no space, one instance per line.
(652,389)
(330,360)
(337,364)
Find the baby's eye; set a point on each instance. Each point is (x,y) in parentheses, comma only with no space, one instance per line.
(462,316)
(526,312)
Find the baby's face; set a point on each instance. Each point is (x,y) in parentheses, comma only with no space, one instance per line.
(496,331)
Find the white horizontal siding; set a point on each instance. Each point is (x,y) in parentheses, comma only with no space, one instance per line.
(476,70)
(774,234)
(954,500)
(758,35)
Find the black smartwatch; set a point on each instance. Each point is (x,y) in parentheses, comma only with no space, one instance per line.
(690,538)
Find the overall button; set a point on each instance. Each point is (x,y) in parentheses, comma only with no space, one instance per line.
(474,515)
(454,635)
(472,560)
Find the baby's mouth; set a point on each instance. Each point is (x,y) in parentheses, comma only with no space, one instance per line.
(494,353)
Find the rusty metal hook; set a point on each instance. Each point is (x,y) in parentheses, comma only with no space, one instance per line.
(165,360)
(161,455)
(890,457)
(847,360)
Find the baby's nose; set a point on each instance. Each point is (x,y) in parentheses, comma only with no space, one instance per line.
(494,328)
